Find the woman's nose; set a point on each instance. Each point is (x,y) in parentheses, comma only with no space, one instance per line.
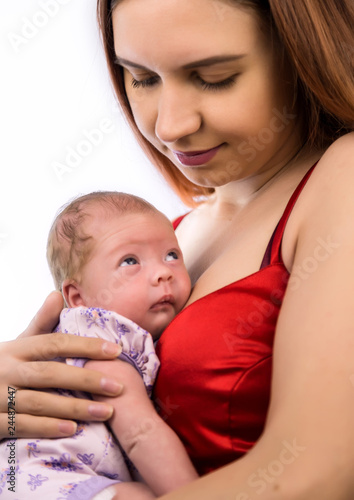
(178,115)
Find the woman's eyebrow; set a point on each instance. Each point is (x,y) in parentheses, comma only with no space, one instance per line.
(125,62)
(209,61)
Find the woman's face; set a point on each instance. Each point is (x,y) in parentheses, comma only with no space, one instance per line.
(205,87)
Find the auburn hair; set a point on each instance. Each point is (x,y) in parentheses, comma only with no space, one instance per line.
(316,37)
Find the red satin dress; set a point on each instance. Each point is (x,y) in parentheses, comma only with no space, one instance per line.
(213,387)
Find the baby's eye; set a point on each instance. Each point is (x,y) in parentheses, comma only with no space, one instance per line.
(171,256)
(128,261)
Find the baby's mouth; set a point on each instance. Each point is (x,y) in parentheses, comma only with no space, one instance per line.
(165,300)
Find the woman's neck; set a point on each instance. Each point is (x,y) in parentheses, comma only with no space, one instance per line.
(243,192)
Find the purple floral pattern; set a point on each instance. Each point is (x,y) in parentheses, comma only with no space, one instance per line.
(63,463)
(36,481)
(91,460)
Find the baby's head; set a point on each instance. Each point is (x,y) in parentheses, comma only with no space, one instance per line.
(116,251)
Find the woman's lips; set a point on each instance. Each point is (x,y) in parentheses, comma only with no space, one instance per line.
(194,158)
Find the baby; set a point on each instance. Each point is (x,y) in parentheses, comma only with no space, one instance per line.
(118,264)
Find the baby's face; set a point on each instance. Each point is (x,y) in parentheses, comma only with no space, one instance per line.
(136,269)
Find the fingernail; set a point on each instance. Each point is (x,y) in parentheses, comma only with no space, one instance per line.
(67,428)
(111,349)
(100,411)
(111,386)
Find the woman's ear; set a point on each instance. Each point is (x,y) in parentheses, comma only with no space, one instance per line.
(72,293)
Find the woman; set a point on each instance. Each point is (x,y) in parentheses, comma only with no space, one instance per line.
(247,109)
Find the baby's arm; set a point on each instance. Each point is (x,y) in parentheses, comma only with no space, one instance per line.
(151,445)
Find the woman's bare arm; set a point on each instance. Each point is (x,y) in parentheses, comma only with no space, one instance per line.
(25,365)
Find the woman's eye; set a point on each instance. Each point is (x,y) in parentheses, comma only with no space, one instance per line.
(171,256)
(151,81)
(224,84)
(129,261)
(148,82)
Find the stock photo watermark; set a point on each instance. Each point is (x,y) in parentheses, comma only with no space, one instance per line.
(266,135)
(253,145)
(264,309)
(49,351)
(31,26)
(321,253)
(11,445)
(262,478)
(91,140)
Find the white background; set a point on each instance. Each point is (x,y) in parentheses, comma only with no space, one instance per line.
(54,89)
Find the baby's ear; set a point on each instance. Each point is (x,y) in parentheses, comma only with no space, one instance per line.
(72,293)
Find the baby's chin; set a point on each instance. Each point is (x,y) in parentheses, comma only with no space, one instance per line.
(156,323)
(157,330)
(156,333)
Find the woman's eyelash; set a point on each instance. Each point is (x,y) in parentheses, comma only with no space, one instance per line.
(149,82)
(224,84)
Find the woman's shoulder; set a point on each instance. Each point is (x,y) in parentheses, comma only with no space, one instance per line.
(341,150)
(327,194)
(335,168)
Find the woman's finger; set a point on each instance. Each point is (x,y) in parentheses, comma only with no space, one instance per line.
(58,345)
(50,374)
(38,403)
(47,317)
(41,427)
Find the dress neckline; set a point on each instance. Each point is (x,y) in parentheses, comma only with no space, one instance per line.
(272,255)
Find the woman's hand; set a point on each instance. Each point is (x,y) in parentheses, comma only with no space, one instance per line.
(25,366)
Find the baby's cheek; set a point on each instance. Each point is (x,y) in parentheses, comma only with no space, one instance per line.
(188,285)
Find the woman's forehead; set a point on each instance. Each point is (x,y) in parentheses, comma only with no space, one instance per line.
(192,29)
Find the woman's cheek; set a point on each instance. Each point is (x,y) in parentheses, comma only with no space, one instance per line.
(144,112)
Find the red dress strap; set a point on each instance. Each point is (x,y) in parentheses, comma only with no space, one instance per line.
(176,222)
(273,251)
